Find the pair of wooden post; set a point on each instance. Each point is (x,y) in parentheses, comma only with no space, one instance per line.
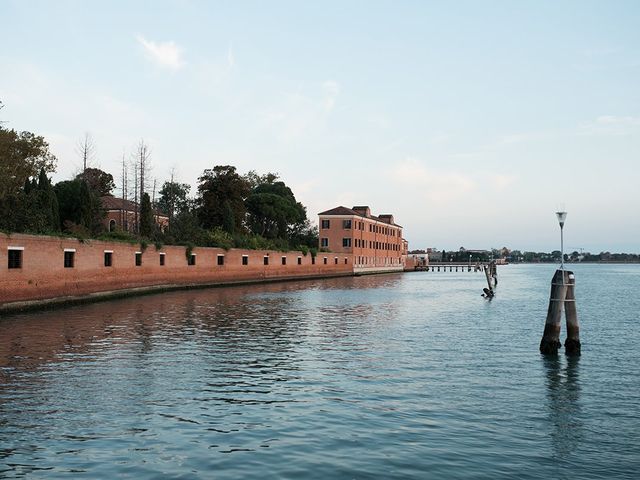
(562,295)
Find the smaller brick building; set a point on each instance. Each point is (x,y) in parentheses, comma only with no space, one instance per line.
(121,214)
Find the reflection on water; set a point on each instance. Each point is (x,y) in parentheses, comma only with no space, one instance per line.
(392,376)
(563,397)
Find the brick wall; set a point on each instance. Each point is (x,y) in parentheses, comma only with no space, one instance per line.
(42,274)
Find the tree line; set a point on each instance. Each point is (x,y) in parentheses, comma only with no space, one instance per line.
(228,209)
(518,256)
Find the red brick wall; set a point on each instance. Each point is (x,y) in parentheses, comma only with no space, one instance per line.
(43,275)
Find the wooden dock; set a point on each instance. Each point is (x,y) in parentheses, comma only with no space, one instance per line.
(451,267)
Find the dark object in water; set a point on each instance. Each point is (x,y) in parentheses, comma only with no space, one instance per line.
(487,293)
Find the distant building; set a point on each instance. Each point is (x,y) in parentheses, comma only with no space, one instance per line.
(375,242)
(121,215)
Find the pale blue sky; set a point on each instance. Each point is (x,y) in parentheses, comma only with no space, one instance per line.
(471,122)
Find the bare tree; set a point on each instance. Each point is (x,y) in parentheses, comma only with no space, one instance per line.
(124,218)
(141,167)
(86,149)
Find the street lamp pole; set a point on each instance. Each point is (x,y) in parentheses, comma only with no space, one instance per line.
(561,218)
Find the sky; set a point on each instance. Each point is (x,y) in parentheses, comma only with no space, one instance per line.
(471,122)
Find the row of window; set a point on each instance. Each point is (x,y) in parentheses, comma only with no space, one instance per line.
(15,259)
(346,224)
(378,261)
(359,243)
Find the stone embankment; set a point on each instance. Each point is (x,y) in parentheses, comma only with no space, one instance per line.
(40,271)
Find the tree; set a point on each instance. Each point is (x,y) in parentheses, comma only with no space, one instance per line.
(254,179)
(47,203)
(22,156)
(217,185)
(98,181)
(80,208)
(274,212)
(174,199)
(147,222)
(86,150)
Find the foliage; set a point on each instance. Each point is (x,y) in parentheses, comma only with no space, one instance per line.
(147,221)
(274,212)
(216,187)
(174,198)
(33,208)
(22,156)
(219,238)
(79,207)
(188,251)
(254,179)
(118,236)
(99,182)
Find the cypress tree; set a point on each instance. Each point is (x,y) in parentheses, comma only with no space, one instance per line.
(146,216)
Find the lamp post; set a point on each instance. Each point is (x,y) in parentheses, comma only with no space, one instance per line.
(561,218)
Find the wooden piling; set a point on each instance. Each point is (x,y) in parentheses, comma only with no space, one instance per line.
(550,342)
(572,343)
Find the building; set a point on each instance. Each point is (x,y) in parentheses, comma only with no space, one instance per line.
(374,242)
(121,214)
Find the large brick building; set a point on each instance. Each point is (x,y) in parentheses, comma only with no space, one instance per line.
(375,242)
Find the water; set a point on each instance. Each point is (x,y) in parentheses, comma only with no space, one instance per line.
(391,376)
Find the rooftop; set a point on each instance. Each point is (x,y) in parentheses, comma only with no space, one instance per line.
(360,211)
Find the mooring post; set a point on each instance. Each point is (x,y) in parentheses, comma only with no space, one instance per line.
(550,342)
(572,343)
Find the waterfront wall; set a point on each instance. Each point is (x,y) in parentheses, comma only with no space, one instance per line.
(52,267)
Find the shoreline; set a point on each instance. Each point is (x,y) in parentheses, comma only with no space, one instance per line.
(96,297)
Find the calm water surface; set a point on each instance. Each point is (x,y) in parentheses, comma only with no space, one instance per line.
(390,376)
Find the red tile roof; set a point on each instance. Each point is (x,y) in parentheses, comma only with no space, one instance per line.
(109,202)
(348,211)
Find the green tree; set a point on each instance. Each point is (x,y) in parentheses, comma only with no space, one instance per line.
(254,179)
(217,185)
(47,204)
(147,222)
(174,199)
(274,211)
(22,156)
(80,209)
(99,182)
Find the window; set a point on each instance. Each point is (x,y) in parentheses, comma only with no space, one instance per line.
(15,257)
(346,261)
(162,259)
(69,257)
(324,242)
(299,260)
(325,260)
(138,259)
(325,223)
(245,259)
(346,242)
(192,259)
(112,225)
(313,260)
(266,260)
(346,224)
(335,260)
(108,258)
(220,260)
(284,260)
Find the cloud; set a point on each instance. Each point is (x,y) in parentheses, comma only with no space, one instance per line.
(297,115)
(331,92)
(165,54)
(611,125)
(501,181)
(438,186)
(231,59)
